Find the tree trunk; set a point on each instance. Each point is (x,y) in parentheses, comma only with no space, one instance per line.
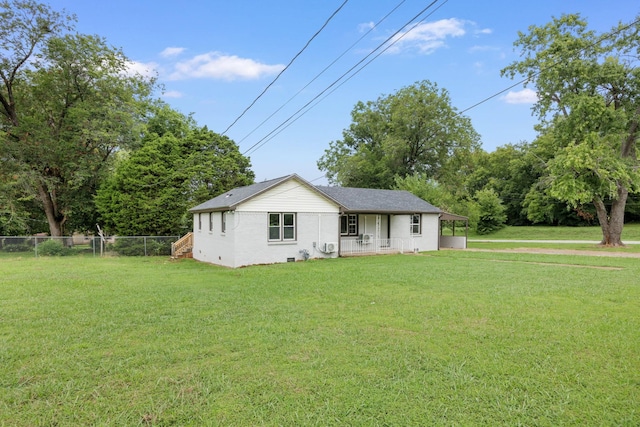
(612,222)
(55,220)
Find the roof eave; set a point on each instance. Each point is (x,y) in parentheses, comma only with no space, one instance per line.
(218,209)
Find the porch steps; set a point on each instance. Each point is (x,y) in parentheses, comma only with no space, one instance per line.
(183,247)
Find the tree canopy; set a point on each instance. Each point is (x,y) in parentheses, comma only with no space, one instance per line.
(414,131)
(178,166)
(69,109)
(588,87)
(68,103)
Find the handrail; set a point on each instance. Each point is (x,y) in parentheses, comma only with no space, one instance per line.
(182,245)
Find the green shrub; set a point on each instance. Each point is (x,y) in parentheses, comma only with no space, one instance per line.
(52,248)
(136,247)
(492,214)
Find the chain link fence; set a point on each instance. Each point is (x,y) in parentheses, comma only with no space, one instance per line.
(88,245)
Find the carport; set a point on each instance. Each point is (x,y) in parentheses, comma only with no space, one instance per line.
(452,228)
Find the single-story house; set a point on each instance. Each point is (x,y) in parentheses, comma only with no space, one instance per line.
(289,219)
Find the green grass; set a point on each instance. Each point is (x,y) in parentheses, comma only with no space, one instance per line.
(543,232)
(443,338)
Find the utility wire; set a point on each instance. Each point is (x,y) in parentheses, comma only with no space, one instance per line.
(324,70)
(286,67)
(291,119)
(286,123)
(554,64)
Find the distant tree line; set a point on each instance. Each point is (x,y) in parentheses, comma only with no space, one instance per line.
(581,169)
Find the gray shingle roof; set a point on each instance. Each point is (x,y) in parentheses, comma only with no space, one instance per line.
(380,201)
(351,199)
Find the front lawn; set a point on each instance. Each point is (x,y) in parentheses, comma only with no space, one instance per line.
(443,338)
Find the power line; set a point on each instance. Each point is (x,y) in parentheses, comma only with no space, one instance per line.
(324,70)
(290,120)
(556,63)
(286,123)
(286,67)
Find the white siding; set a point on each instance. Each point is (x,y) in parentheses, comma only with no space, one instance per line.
(246,239)
(427,240)
(214,246)
(312,231)
(290,196)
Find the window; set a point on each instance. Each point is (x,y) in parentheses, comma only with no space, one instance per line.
(282,226)
(349,225)
(223,222)
(199,221)
(210,221)
(415,224)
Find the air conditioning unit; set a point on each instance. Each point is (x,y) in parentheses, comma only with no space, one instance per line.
(330,247)
(365,239)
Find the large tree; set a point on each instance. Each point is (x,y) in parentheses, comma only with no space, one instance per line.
(68,104)
(180,165)
(414,131)
(588,86)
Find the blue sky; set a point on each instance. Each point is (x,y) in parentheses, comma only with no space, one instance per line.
(215,57)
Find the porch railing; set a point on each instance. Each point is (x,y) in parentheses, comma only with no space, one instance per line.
(371,246)
(183,246)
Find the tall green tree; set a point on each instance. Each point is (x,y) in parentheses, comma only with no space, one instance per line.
(179,166)
(588,86)
(68,104)
(414,131)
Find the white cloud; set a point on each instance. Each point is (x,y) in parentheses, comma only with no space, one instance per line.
(364,27)
(172,51)
(172,94)
(215,65)
(148,69)
(428,37)
(484,31)
(524,96)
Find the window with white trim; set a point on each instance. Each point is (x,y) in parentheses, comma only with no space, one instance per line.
(349,225)
(415,224)
(199,221)
(282,226)
(223,222)
(210,221)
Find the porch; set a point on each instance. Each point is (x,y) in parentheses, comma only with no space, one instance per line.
(366,245)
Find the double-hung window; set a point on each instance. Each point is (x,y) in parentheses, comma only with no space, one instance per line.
(210,221)
(282,227)
(415,224)
(349,225)
(223,222)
